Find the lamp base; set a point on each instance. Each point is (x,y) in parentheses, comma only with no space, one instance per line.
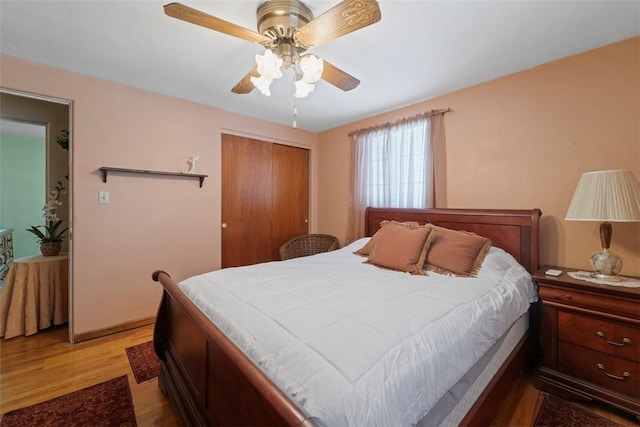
(606,265)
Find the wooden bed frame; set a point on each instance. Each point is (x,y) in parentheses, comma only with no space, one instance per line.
(210,381)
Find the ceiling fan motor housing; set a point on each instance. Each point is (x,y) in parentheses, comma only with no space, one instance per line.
(279,20)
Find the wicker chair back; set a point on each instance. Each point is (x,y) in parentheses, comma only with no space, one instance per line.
(308,244)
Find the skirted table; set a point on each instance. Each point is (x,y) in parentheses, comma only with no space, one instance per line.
(34,295)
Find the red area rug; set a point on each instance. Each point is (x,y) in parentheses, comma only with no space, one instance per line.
(101,405)
(144,362)
(557,412)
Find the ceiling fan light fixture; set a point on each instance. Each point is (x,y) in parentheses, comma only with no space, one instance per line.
(287,28)
(269,68)
(311,67)
(268,65)
(303,88)
(261,83)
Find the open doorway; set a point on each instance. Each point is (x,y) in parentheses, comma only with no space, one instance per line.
(35,147)
(23,166)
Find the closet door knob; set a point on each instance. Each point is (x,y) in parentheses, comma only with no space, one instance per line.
(224,225)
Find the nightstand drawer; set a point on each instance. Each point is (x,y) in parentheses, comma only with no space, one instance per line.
(577,298)
(600,335)
(614,373)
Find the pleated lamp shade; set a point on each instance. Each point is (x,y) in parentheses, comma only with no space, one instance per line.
(611,195)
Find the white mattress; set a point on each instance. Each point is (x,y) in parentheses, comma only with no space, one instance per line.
(357,345)
(453,406)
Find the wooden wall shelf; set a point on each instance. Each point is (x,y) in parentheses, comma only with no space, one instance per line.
(106,169)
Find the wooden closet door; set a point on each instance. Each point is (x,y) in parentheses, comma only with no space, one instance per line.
(246,201)
(290,186)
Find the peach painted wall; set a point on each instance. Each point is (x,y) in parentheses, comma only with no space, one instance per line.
(523,141)
(152,222)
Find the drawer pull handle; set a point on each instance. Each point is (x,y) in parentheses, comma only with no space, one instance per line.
(625,374)
(624,342)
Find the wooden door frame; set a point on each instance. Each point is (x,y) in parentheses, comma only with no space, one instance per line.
(69,104)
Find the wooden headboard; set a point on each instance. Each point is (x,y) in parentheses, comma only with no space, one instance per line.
(515,230)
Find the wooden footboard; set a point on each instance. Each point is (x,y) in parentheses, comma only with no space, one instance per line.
(210,381)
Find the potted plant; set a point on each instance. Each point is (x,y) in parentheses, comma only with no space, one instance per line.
(50,237)
(63,139)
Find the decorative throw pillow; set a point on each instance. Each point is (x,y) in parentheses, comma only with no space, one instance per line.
(402,247)
(456,252)
(366,249)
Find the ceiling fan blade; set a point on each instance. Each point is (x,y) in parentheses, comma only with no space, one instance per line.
(245,85)
(193,16)
(344,18)
(338,78)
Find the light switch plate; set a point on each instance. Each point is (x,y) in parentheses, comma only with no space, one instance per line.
(103,198)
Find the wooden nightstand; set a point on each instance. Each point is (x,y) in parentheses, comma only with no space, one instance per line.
(590,338)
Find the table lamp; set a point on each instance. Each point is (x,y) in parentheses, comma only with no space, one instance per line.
(607,196)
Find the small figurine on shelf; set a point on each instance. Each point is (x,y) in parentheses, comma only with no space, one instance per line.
(192,161)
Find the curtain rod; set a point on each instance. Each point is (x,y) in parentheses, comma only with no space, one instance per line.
(417,116)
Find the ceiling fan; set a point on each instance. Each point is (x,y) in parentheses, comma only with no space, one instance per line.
(287,28)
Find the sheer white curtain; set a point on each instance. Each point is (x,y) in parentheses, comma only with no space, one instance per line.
(394,167)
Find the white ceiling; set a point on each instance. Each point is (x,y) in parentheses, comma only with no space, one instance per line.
(419,50)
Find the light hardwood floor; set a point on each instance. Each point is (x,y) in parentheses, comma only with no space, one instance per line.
(521,406)
(43,366)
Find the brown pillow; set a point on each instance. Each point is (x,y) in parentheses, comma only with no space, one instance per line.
(456,252)
(401,247)
(366,249)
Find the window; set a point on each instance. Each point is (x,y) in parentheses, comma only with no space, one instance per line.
(395,166)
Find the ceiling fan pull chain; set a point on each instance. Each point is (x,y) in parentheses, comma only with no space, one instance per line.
(295,111)
(295,114)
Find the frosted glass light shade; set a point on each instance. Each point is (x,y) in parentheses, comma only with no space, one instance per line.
(268,65)
(303,88)
(610,195)
(312,68)
(262,84)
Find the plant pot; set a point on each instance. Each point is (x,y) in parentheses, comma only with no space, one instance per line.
(50,249)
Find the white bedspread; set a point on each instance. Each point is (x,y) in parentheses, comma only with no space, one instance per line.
(357,345)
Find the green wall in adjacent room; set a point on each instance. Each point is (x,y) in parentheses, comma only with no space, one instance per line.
(22,190)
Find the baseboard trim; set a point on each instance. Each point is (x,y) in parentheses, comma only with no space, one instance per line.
(86,336)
